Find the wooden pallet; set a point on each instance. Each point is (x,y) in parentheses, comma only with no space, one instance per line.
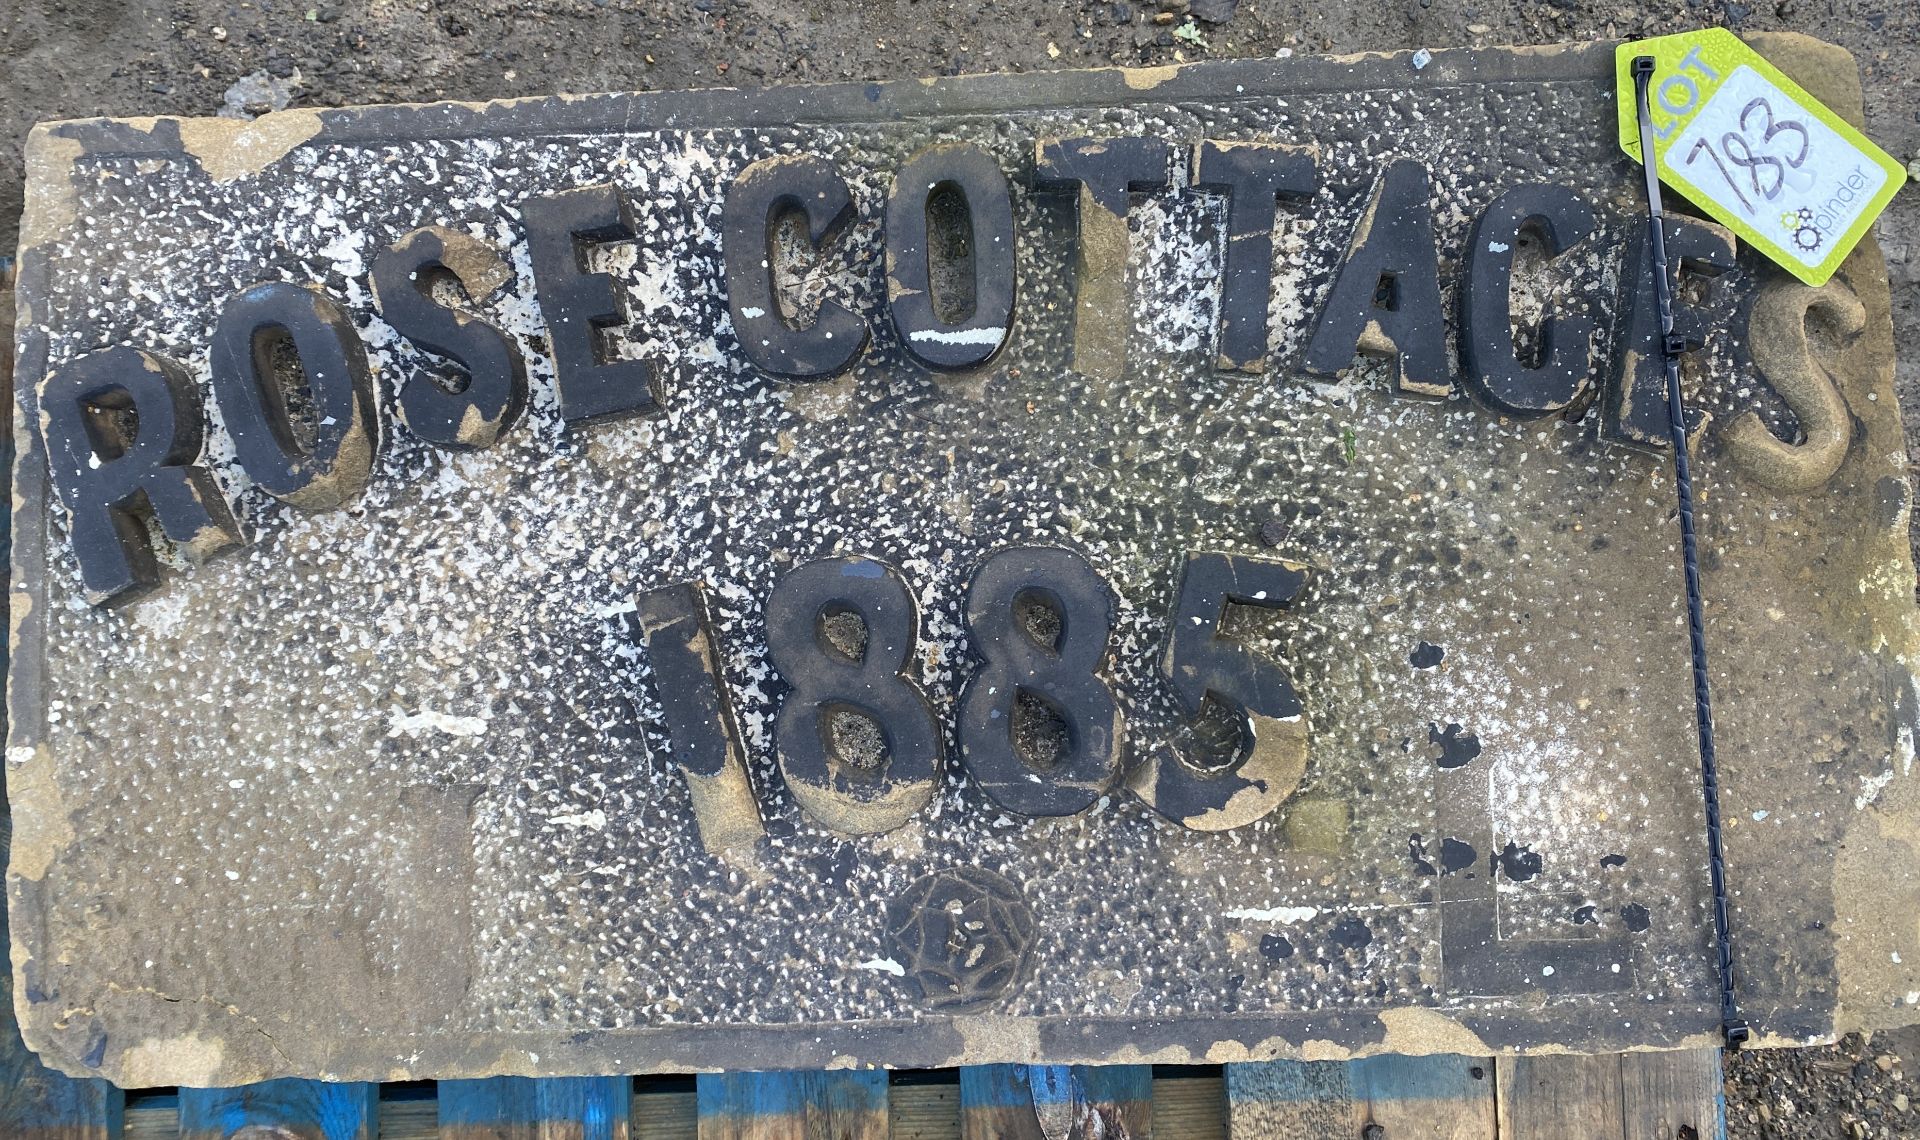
(1644,1096)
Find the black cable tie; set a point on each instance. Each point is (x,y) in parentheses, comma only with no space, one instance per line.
(1732,1027)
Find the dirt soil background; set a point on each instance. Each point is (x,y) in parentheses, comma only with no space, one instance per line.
(71,58)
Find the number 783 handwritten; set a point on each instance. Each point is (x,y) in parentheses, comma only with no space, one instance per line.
(1750,148)
(1040,619)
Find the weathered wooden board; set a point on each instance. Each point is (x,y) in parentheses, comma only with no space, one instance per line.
(794,1106)
(1636,1094)
(1438,1097)
(285,1109)
(37,1103)
(1665,1094)
(525,1108)
(1194,1107)
(1561,1096)
(1056,1102)
(1658,1094)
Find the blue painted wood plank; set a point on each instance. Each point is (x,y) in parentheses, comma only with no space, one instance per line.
(1056,1102)
(1289,1098)
(37,1103)
(285,1109)
(839,1105)
(1441,1097)
(536,1108)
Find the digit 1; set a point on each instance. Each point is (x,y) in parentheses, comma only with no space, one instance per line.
(855,737)
(677,632)
(1058,669)
(1269,756)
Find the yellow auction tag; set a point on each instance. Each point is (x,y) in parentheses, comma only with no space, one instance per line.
(1747,145)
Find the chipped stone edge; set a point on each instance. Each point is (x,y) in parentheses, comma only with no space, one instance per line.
(50,157)
(229,149)
(1876,989)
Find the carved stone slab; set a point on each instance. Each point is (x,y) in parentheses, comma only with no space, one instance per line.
(1164,566)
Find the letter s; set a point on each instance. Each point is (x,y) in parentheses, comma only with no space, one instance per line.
(1783,353)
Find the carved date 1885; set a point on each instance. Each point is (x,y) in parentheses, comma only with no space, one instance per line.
(1040,730)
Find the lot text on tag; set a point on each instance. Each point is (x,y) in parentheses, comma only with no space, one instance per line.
(1746,144)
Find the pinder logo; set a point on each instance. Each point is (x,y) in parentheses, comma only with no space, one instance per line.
(1801,229)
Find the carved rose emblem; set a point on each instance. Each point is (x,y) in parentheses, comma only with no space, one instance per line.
(962,935)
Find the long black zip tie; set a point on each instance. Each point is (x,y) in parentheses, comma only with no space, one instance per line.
(1732,1026)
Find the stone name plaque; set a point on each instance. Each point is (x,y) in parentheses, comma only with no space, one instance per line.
(1168,566)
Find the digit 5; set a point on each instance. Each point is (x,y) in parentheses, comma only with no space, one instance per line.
(1270,755)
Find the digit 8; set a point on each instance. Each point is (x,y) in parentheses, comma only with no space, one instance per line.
(845,792)
(1062,675)
(1754,163)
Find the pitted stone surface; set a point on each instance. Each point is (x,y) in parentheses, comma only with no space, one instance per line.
(387,793)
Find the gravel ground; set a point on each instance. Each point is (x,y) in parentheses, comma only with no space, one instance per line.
(1858,1088)
(66,58)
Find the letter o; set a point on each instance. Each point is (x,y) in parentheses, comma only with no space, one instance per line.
(1693,95)
(973,340)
